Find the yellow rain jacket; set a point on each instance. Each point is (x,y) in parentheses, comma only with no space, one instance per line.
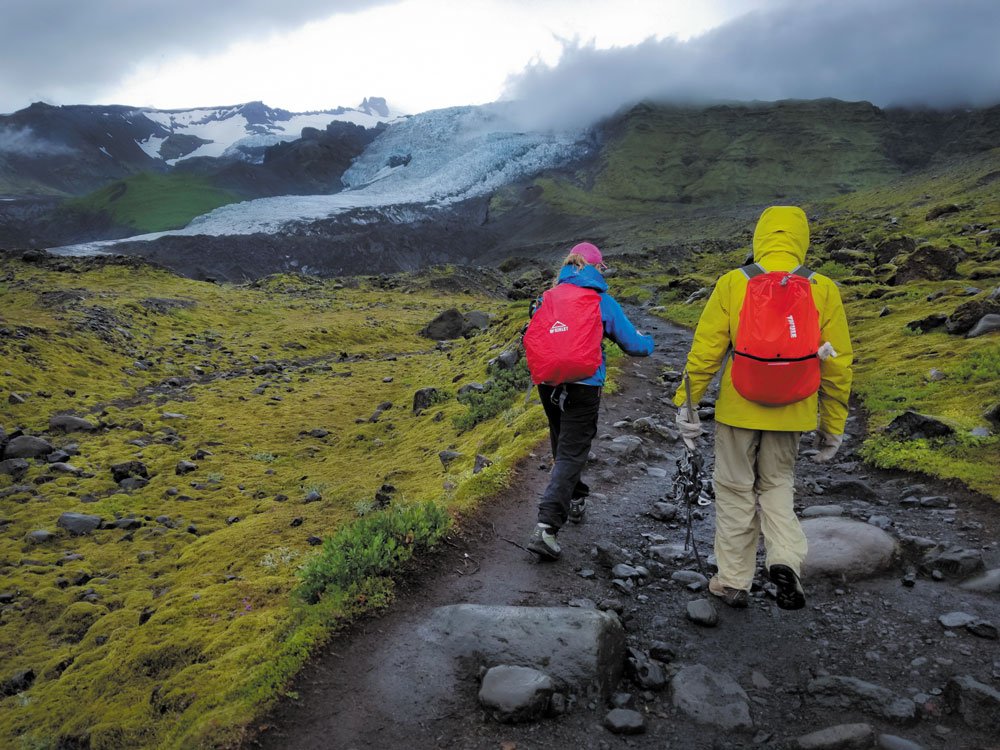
(779,244)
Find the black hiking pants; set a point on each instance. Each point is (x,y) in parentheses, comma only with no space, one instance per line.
(572,413)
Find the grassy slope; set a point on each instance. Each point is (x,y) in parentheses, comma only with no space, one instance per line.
(893,362)
(224,632)
(151,202)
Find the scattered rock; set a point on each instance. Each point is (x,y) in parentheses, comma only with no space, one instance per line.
(840,737)
(128,469)
(913,426)
(987,324)
(70,423)
(823,511)
(482,462)
(185,467)
(78,523)
(965,316)
(514,694)
(447,457)
(976,703)
(644,671)
(451,324)
(702,612)
(27,446)
(662,511)
(625,721)
(987,583)
(953,561)
(424,399)
(935,320)
(928,262)
(892,742)
(40,536)
(15,467)
(711,697)
(17,683)
(849,692)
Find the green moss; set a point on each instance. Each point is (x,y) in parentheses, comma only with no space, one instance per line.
(194,628)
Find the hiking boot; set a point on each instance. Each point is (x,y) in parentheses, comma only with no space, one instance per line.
(578,510)
(736,598)
(790,594)
(543,543)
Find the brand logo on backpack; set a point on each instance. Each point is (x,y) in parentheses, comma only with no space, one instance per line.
(574,311)
(774,355)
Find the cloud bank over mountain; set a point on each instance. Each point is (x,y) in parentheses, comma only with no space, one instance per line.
(72,50)
(936,53)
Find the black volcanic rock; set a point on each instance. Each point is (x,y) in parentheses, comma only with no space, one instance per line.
(929,262)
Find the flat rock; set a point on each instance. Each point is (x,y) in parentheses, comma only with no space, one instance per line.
(823,511)
(625,721)
(514,694)
(840,737)
(892,742)
(845,548)
(956,619)
(583,648)
(711,697)
(849,692)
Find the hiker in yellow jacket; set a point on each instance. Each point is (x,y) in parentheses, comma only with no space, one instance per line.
(756,445)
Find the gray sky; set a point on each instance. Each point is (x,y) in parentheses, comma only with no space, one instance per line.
(570,60)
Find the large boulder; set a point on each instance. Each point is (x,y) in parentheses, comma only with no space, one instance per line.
(989,323)
(27,446)
(78,524)
(70,423)
(888,249)
(928,262)
(452,324)
(911,425)
(966,316)
(583,648)
(844,548)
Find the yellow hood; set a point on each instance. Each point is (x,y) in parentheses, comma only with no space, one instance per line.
(781,230)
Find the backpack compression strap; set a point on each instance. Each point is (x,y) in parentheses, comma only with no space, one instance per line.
(755,269)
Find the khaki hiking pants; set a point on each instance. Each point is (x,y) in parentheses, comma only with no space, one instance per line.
(754,489)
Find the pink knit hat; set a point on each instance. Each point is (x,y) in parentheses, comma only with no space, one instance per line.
(589,252)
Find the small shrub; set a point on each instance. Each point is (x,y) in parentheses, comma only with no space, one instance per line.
(507,385)
(376,545)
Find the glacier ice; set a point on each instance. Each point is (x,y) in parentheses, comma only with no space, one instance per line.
(454,153)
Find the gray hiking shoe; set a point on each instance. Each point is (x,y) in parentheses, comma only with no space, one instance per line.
(543,543)
(578,510)
(736,598)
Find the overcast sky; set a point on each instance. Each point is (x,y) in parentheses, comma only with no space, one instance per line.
(570,60)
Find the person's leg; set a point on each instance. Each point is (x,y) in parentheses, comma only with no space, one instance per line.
(553,414)
(784,539)
(737,528)
(578,427)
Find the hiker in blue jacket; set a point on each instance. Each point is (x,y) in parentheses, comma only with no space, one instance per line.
(572,408)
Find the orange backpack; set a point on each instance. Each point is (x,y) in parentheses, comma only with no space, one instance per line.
(774,357)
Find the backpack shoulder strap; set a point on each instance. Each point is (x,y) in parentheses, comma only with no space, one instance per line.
(754,269)
(805,273)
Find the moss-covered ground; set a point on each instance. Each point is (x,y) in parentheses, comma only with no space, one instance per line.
(152,202)
(174,630)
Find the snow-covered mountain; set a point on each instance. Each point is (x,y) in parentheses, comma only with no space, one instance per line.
(244,131)
(70,150)
(432,160)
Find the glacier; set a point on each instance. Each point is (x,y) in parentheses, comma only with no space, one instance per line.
(433,159)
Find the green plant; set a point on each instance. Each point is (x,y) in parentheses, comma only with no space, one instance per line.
(483,405)
(376,545)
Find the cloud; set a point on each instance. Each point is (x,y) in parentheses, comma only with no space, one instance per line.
(23,142)
(938,53)
(70,51)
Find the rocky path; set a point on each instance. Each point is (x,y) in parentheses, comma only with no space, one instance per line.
(897,647)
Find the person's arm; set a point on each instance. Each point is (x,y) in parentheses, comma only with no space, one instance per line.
(711,342)
(619,329)
(836,373)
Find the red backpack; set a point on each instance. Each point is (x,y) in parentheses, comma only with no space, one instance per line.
(774,357)
(563,341)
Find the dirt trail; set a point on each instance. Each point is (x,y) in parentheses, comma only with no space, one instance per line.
(878,630)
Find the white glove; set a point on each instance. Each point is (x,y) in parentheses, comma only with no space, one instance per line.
(689,426)
(826,352)
(827,444)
